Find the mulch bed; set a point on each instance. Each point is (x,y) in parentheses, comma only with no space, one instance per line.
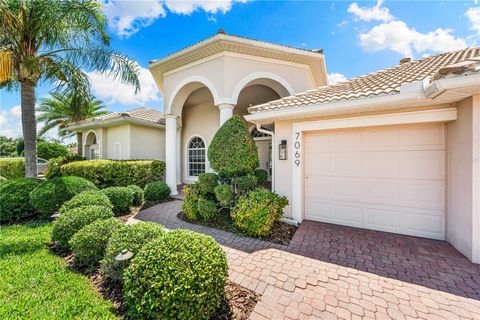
(282,232)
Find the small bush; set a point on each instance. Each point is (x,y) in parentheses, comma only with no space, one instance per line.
(207,209)
(14,199)
(256,212)
(12,168)
(179,276)
(156,191)
(138,194)
(87,198)
(224,195)
(65,226)
(89,243)
(49,150)
(246,183)
(262,176)
(121,198)
(207,183)
(53,167)
(51,194)
(190,201)
(2,179)
(132,238)
(118,173)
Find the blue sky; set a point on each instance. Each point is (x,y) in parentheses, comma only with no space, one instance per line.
(357,37)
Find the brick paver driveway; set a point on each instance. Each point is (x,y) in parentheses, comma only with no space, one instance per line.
(334,272)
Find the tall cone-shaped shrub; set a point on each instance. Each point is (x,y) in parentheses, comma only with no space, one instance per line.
(6,66)
(233,152)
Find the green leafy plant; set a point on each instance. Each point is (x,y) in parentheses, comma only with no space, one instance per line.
(233,152)
(71,221)
(224,195)
(90,242)
(156,191)
(49,150)
(2,179)
(12,168)
(179,276)
(262,176)
(207,183)
(245,184)
(121,198)
(190,201)
(131,238)
(207,209)
(51,194)
(138,194)
(256,212)
(14,199)
(54,165)
(87,198)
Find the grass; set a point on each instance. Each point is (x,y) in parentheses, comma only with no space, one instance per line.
(36,284)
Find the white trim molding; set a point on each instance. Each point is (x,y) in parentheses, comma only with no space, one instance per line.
(186,162)
(261,75)
(300,128)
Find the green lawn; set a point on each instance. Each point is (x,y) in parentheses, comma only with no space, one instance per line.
(36,284)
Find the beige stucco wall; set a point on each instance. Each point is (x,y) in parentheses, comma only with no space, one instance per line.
(147,143)
(283,168)
(463,191)
(120,135)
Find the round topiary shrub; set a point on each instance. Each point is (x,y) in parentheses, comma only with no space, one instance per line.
(190,201)
(207,209)
(156,191)
(256,212)
(246,183)
(65,226)
(262,176)
(89,243)
(51,194)
(86,198)
(121,199)
(138,194)
(207,183)
(132,238)
(179,276)
(14,199)
(224,195)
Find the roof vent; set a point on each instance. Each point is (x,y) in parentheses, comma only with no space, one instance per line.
(405,60)
(221,31)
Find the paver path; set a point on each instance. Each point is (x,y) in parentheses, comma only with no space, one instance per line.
(324,275)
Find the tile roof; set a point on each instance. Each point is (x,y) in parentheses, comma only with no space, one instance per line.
(147,114)
(383,82)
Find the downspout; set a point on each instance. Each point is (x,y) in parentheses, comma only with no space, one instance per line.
(270,133)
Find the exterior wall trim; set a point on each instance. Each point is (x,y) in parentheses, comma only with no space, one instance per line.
(185,153)
(260,75)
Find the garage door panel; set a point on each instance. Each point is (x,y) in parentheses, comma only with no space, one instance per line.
(423,136)
(347,165)
(428,165)
(384,219)
(424,225)
(423,194)
(319,163)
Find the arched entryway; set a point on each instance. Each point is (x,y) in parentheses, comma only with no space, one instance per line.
(91,146)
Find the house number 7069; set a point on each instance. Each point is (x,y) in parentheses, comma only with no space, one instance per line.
(296,146)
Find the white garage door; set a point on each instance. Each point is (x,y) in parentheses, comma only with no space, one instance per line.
(385,178)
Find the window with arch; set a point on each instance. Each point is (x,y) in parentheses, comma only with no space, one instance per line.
(196,157)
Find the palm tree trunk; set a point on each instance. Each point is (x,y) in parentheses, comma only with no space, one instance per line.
(29,127)
(79,144)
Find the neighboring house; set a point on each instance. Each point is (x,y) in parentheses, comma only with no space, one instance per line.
(396,150)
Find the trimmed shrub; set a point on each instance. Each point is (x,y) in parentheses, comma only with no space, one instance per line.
(65,226)
(90,242)
(179,276)
(246,183)
(87,198)
(132,238)
(51,194)
(233,152)
(224,195)
(207,183)
(54,165)
(119,173)
(138,194)
(12,168)
(121,199)
(190,201)
(156,191)
(256,212)
(262,176)
(49,150)
(2,179)
(207,209)
(14,199)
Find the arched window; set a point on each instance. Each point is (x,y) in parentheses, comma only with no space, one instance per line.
(196,157)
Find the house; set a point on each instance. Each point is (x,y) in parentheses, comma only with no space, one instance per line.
(396,150)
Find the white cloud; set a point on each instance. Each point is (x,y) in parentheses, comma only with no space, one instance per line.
(398,36)
(16,111)
(473,15)
(10,122)
(334,77)
(128,17)
(110,90)
(376,12)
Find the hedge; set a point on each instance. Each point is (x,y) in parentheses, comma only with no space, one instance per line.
(156,191)
(12,168)
(138,194)
(14,199)
(109,173)
(49,150)
(121,198)
(87,198)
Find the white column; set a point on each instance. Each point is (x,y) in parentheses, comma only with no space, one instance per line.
(171,152)
(179,156)
(226,112)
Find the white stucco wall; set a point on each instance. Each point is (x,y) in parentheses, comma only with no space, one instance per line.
(283,168)
(147,143)
(119,135)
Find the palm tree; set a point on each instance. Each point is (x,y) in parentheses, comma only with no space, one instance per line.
(61,109)
(54,41)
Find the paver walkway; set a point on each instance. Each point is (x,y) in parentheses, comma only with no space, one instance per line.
(334,272)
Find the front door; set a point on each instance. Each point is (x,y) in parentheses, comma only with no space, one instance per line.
(264,155)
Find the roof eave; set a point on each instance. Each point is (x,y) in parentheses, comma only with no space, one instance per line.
(113,122)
